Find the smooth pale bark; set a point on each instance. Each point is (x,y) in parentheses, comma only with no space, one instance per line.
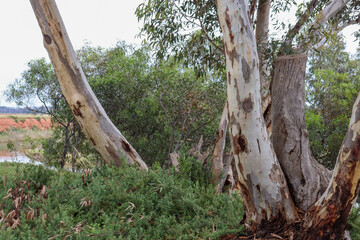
(307,179)
(327,218)
(323,16)
(218,155)
(261,33)
(105,137)
(263,185)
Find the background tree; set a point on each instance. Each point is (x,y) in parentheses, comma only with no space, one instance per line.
(160,105)
(155,102)
(332,86)
(38,85)
(268,197)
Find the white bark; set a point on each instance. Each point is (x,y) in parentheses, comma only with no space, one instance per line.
(328,12)
(106,138)
(263,185)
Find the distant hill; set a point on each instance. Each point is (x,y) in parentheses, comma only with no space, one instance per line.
(4,109)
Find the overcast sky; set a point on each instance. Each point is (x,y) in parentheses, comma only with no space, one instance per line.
(101,22)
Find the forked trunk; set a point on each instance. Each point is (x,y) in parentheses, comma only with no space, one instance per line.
(105,137)
(263,185)
(307,179)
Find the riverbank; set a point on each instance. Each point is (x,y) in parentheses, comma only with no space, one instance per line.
(21,132)
(24,121)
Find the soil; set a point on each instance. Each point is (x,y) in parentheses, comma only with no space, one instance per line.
(24,123)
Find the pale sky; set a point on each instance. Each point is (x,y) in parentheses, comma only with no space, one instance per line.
(100,22)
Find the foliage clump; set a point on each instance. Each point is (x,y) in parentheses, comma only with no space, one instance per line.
(112,203)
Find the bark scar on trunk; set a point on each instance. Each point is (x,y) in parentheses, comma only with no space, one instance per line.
(245,70)
(247,105)
(47,39)
(114,154)
(77,107)
(240,143)
(228,23)
(127,148)
(93,141)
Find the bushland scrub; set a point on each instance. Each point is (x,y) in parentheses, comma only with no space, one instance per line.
(22,139)
(112,203)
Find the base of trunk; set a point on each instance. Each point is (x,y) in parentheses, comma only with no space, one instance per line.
(296,231)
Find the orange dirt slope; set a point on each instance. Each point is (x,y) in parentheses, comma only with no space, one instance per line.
(24,122)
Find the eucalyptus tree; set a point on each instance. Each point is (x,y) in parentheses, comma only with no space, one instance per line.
(273,184)
(105,137)
(274,179)
(38,85)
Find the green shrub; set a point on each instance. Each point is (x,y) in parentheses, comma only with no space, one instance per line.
(112,203)
(354,223)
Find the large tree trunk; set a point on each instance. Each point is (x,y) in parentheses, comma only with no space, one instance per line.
(263,185)
(307,179)
(327,218)
(105,137)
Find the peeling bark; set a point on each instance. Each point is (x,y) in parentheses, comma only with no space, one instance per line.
(327,218)
(307,179)
(106,138)
(263,185)
(227,181)
(217,159)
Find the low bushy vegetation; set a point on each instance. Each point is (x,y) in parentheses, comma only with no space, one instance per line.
(112,203)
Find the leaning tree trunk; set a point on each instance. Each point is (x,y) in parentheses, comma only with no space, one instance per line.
(307,179)
(263,185)
(105,137)
(327,218)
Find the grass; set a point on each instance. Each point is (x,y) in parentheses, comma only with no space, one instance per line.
(21,138)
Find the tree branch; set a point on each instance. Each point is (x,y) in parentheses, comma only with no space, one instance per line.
(302,20)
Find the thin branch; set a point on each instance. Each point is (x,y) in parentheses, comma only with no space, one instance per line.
(208,37)
(328,12)
(302,20)
(347,24)
(337,30)
(161,104)
(198,128)
(191,20)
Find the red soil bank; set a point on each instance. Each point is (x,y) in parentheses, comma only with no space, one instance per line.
(25,123)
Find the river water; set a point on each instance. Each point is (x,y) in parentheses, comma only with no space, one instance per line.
(18,159)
